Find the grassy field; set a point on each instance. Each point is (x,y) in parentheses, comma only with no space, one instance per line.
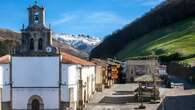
(176,38)
(190,61)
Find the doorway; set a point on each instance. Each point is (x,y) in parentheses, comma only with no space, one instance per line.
(35,103)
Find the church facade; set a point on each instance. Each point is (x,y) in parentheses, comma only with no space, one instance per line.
(36,76)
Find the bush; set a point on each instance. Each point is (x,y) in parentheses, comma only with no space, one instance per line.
(173,57)
(6,46)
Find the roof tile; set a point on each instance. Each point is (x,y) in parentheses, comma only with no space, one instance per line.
(5,59)
(70,59)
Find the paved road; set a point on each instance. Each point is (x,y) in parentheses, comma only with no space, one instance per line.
(178,98)
(119,97)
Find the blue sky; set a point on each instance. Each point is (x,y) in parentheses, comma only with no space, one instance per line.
(90,17)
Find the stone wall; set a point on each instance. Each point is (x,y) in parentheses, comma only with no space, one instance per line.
(68,105)
(5,105)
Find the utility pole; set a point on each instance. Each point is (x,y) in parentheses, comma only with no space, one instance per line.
(153,76)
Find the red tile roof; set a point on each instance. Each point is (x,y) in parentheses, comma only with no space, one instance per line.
(5,59)
(70,59)
(99,62)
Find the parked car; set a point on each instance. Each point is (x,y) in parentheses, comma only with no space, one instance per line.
(177,85)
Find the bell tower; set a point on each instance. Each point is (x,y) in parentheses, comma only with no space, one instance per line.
(36,38)
(36,15)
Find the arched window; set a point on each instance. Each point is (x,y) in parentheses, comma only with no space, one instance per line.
(32,44)
(40,44)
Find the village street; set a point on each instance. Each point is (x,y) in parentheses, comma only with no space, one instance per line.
(177,99)
(119,97)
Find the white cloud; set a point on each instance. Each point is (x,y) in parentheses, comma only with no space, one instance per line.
(150,2)
(84,17)
(64,19)
(105,18)
(90,22)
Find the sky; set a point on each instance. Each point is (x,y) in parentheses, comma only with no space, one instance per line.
(90,17)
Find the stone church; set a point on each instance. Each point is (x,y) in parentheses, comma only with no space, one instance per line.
(36,76)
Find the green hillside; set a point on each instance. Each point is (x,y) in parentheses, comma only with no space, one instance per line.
(189,61)
(176,38)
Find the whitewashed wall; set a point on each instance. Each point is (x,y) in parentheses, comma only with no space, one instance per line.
(70,76)
(50,97)
(35,71)
(5,71)
(88,72)
(2,71)
(98,75)
(93,77)
(162,71)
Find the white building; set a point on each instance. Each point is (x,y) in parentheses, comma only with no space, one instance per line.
(162,70)
(37,77)
(50,82)
(78,81)
(5,80)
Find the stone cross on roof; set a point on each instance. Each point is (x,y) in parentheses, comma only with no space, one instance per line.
(36,2)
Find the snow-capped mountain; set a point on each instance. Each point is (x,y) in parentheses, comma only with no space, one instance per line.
(82,42)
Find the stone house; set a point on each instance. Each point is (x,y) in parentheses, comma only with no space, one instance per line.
(101,74)
(136,68)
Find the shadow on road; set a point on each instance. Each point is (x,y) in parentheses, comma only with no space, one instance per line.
(118,100)
(123,93)
(186,102)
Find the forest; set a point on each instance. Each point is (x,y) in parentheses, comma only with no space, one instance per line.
(165,14)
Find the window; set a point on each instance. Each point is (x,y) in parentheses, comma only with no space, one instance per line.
(40,44)
(23,41)
(31,44)
(35,35)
